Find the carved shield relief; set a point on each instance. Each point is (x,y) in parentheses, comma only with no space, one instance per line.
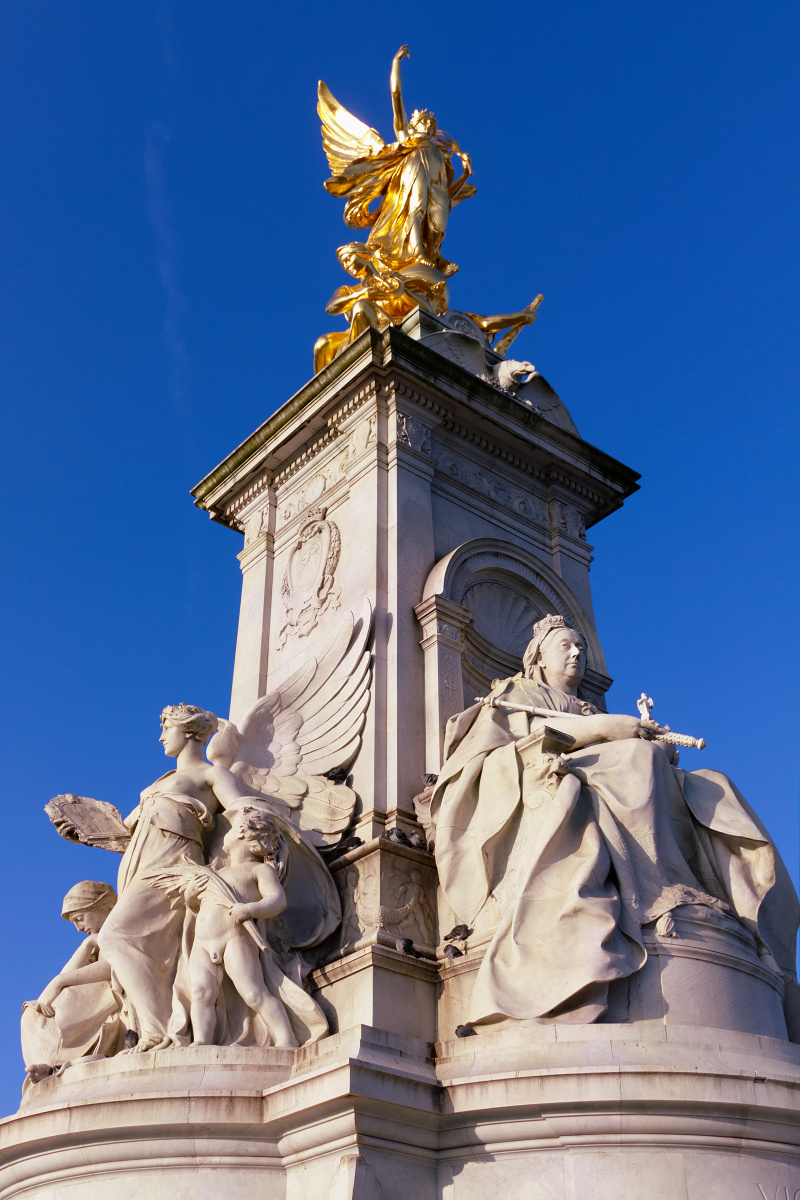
(308,587)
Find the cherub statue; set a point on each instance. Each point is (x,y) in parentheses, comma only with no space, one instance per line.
(227,944)
(78,1014)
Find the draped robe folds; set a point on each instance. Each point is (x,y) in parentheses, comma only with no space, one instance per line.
(412,180)
(141,938)
(626,838)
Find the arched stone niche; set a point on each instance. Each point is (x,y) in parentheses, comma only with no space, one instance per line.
(477,611)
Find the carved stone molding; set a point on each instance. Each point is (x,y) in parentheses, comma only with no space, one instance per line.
(246,497)
(487,483)
(443,624)
(310,452)
(359,398)
(307,588)
(411,432)
(331,474)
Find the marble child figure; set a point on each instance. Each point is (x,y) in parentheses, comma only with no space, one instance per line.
(78,1014)
(223,945)
(564,863)
(141,940)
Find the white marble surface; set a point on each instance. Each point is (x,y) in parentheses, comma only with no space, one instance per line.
(560,1112)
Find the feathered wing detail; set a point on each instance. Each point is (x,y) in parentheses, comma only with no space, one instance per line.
(293,737)
(344,137)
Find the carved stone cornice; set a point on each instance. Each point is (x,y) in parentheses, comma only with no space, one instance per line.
(441,618)
(305,456)
(469,409)
(244,498)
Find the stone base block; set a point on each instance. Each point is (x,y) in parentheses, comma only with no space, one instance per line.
(542,1112)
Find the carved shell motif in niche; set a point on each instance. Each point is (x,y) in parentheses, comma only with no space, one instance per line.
(502,615)
(307,588)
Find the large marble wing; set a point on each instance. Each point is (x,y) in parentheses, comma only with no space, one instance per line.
(344,137)
(293,738)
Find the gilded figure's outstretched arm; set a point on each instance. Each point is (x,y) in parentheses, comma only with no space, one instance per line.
(457,190)
(396,86)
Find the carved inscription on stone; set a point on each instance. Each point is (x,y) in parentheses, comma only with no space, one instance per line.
(307,588)
(525,504)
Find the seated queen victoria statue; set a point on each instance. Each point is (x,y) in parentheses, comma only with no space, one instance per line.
(571,841)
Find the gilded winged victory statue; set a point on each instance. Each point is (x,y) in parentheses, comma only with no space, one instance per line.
(402,192)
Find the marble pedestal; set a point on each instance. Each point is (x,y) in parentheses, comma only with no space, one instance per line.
(541,1113)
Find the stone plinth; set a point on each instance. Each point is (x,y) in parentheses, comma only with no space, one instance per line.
(382,969)
(701,960)
(562,1112)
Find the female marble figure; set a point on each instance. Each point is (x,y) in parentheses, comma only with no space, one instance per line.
(78,1014)
(141,940)
(566,873)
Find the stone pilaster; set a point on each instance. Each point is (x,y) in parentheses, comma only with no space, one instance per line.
(252,643)
(443,622)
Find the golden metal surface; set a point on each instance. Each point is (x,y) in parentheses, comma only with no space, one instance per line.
(402,192)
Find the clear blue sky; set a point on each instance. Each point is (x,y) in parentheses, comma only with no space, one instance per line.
(167,253)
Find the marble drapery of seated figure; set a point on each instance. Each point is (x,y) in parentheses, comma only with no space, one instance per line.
(567,877)
(78,1014)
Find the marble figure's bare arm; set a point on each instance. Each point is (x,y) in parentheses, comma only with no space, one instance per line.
(273,897)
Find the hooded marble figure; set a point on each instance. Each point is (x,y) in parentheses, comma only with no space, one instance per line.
(566,864)
(78,1013)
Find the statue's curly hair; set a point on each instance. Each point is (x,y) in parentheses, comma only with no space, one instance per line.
(195,722)
(259,831)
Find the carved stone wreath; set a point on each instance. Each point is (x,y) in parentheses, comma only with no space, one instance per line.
(307,588)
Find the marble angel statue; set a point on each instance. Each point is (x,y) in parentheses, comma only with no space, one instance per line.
(278,762)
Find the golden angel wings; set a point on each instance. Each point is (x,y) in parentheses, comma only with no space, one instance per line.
(403,193)
(344,137)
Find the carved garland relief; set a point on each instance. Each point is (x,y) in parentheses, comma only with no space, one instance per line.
(408,915)
(363,435)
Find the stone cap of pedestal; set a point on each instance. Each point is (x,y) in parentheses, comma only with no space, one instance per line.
(309,420)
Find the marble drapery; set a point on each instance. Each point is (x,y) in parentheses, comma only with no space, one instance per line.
(569,883)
